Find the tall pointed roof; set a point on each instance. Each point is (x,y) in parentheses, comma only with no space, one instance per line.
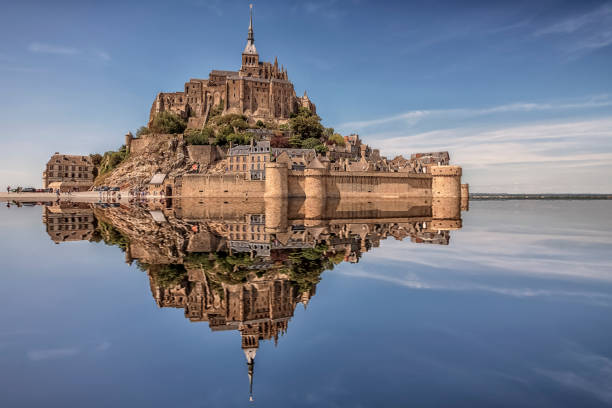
(250,46)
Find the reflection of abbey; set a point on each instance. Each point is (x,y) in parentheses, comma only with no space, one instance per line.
(246,265)
(259,90)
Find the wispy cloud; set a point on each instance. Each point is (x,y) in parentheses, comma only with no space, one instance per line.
(55,49)
(583,33)
(55,353)
(103,55)
(414,116)
(590,373)
(43,48)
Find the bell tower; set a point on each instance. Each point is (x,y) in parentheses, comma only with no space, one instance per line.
(250,57)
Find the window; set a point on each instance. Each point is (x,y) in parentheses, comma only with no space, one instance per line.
(244,167)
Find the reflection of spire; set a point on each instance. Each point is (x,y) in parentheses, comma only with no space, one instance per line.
(250,356)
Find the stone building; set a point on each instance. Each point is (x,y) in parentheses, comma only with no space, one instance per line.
(69,173)
(260,90)
(249,160)
(427,160)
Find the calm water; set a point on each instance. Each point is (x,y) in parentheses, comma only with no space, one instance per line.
(513,309)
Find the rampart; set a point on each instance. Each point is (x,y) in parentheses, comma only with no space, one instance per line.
(280,182)
(221,186)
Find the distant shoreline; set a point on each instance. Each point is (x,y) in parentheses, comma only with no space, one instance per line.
(507,196)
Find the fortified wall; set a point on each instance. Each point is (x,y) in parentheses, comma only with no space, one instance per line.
(281,182)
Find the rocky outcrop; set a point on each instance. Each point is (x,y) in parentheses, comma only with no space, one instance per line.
(156,154)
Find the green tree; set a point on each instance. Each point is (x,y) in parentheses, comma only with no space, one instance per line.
(310,143)
(306,124)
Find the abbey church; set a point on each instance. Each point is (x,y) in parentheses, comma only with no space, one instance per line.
(259,90)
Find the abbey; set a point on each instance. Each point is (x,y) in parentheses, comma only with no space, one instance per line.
(259,90)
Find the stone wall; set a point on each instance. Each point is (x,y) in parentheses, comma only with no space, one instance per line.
(141,144)
(231,186)
(205,154)
(444,181)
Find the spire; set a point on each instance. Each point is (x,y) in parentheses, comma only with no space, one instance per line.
(250,46)
(250,38)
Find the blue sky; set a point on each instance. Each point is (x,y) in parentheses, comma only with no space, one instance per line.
(519,92)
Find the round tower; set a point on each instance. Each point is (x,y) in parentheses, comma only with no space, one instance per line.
(446,181)
(314,182)
(128,141)
(276,180)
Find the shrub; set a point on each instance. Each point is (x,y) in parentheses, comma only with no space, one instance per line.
(310,143)
(216,111)
(167,122)
(260,124)
(239,124)
(241,138)
(227,119)
(336,139)
(143,130)
(111,160)
(199,137)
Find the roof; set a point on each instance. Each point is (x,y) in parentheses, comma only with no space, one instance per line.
(158,178)
(316,164)
(70,159)
(292,152)
(258,147)
(222,72)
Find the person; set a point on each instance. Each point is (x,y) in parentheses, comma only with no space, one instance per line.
(8,189)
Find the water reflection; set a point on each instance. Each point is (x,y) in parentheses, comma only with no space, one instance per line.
(246,265)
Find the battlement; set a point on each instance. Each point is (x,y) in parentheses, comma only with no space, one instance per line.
(450,171)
